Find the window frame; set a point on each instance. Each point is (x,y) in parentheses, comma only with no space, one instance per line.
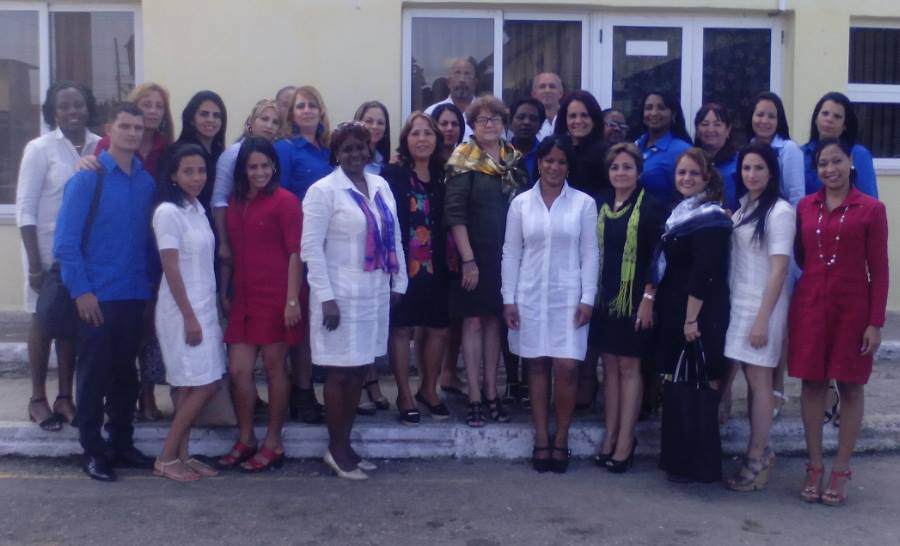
(875,92)
(44,10)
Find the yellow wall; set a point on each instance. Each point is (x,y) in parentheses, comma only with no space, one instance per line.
(351,51)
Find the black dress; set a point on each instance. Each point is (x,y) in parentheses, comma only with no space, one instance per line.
(420,213)
(611,333)
(696,265)
(588,170)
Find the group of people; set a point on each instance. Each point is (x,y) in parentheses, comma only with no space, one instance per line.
(533,232)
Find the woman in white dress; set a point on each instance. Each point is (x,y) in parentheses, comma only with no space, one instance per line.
(47,164)
(549,281)
(761,244)
(351,244)
(187,319)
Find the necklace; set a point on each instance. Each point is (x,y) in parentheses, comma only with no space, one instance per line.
(837,238)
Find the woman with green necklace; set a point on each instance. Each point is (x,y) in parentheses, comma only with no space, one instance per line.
(628,228)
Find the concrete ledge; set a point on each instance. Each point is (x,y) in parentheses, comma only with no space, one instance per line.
(431,440)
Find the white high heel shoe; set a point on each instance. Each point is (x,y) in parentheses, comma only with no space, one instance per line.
(355,474)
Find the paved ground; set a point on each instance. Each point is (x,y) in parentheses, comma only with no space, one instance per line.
(439,502)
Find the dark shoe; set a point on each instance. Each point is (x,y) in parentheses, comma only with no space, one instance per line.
(409,416)
(438,411)
(452,390)
(620,467)
(260,407)
(511,396)
(131,458)
(98,468)
(496,411)
(475,416)
(53,422)
(540,465)
(380,403)
(679,478)
(601,458)
(304,407)
(559,466)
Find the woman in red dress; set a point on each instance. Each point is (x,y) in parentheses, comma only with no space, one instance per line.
(837,310)
(261,297)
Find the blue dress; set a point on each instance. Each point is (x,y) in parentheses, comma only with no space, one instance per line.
(734,188)
(658,177)
(866,181)
(301,164)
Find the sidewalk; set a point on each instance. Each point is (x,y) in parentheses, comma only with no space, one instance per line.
(382,436)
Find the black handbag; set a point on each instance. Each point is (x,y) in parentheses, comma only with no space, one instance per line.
(55,310)
(690,444)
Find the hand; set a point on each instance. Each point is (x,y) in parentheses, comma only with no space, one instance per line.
(583,314)
(89,309)
(469,275)
(511,315)
(395,298)
(292,314)
(871,341)
(88,163)
(224,252)
(759,334)
(691,331)
(193,333)
(225,303)
(331,315)
(644,320)
(35,280)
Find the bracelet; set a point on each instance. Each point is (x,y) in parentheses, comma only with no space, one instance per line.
(649,296)
(472,261)
(688,322)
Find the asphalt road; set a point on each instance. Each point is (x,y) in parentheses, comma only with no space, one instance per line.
(483,503)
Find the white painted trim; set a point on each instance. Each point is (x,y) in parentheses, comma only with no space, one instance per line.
(887,166)
(44,56)
(873,22)
(498,55)
(406,63)
(870,92)
(7,214)
(92,6)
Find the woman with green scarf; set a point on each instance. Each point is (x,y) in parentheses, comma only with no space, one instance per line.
(483,176)
(628,228)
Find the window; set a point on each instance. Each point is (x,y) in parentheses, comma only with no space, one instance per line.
(874,87)
(533,47)
(46,43)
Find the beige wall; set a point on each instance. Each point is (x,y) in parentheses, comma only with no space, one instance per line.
(351,51)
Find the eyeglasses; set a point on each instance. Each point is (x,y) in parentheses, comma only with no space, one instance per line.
(617,125)
(485,120)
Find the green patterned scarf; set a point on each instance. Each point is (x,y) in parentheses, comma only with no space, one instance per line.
(622,305)
(469,156)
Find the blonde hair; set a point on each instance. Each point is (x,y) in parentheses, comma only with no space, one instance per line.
(257,111)
(166,126)
(323,136)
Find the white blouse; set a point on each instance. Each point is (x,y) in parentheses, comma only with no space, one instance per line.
(333,247)
(551,263)
(223,186)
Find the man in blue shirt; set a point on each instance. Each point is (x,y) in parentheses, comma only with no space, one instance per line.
(109,279)
(526,117)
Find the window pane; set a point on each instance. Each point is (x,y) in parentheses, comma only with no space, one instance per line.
(875,55)
(95,48)
(532,47)
(20,100)
(644,59)
(736,65)
(436,42)
(879,128)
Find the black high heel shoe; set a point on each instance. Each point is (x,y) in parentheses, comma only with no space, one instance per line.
(540,465)
(620,467)
(304,407)
(559,466)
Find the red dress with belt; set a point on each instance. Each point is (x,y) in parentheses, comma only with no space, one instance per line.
(263,233)
(834,304)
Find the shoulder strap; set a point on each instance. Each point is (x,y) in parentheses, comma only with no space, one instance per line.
(92,211)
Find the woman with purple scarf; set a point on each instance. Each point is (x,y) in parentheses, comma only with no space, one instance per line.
(352,246)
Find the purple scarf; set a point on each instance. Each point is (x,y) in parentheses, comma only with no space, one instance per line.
(380,250)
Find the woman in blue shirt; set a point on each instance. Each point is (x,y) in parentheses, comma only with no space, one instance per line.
(666,137)
(833,117)
(712,127)
(768,123)
(303,154)
(374,117)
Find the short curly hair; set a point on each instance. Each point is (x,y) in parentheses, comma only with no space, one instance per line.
(490,103)
(48,109)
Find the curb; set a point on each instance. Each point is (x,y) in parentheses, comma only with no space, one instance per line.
(441,440)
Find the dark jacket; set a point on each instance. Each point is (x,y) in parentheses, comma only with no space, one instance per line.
(588,171)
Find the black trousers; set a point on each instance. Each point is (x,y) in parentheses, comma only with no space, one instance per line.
(105,372)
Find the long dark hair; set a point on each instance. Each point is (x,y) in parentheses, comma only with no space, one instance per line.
(590,104)
(48,109)
(678,128)
(168,191)
(851,123)
(241,181)
(769,196)
(383,146)
(189,132)
(781,129)
(725,154)
(440,109)
(435,164)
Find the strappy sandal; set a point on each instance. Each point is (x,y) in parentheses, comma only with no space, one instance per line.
(835,494)
(751,476)
(162,469)
(833,415)
(53,422)
(812,487)
(496,410)
(238,454)
(201,468)
(63,398)
(475,416)
(264,459)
